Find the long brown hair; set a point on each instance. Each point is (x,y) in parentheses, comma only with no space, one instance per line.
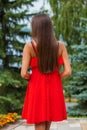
(47,45)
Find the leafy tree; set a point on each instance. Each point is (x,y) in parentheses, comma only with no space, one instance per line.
(13,17)
(66,17)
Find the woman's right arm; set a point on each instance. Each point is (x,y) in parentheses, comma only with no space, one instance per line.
(25,61)
(66,66)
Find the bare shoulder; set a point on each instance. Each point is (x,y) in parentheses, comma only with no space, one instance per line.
(27,46)
(61,47)
(27,49)
(64,51)
(61,44)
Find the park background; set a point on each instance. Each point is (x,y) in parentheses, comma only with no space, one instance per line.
(69,20)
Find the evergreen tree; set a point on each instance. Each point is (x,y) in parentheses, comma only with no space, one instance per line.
(13,14)
(78,85)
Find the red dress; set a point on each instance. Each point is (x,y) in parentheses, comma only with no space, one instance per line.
(44,99)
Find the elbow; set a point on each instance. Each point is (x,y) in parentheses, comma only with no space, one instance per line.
(69,72)
(66,73)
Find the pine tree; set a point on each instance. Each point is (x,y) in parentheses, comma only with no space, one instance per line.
(13,17)
(78,85)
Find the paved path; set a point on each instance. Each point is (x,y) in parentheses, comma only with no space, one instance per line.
(70,124)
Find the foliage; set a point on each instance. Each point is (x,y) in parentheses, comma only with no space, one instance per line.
(14,15)
(67,18)
(77,111)
(78,85)
(70,25)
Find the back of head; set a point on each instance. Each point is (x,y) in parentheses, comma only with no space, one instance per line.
(47,46)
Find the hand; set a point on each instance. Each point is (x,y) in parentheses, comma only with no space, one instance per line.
(27,76)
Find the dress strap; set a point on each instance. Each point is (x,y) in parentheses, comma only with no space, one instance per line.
(34,47)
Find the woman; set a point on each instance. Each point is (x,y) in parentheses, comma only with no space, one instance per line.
(44,100)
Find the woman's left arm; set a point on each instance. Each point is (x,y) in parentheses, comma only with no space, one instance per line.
(67,70)
(25,61)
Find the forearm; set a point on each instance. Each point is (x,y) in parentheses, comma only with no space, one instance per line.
(64,74)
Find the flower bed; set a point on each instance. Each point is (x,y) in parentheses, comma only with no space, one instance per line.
(9,118)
